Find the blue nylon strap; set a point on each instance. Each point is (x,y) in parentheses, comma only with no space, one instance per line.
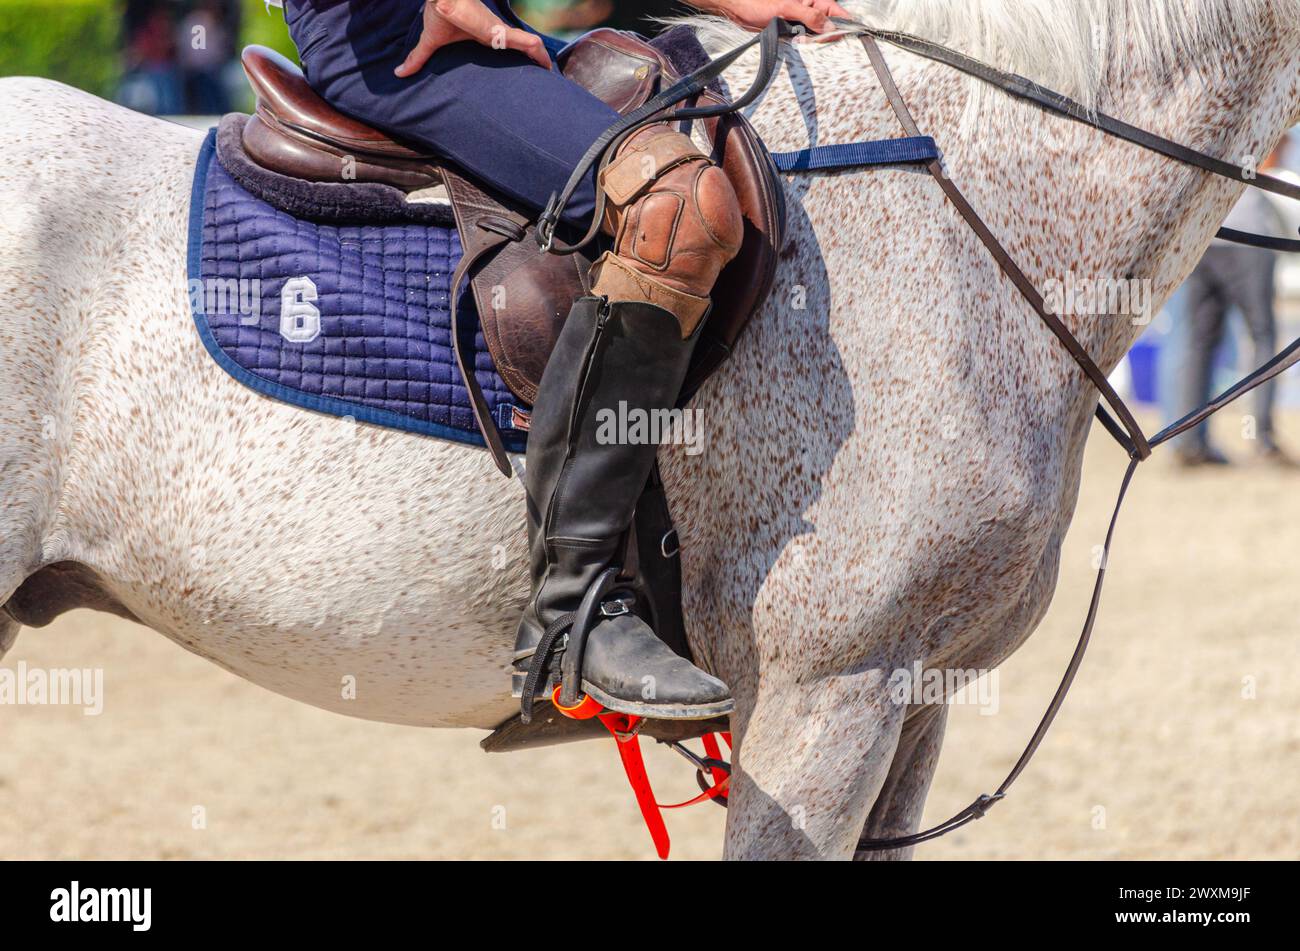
(904,151)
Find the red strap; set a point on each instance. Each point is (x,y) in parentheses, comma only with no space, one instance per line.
(713,792)
(623,727)
(629,751)
(713,751)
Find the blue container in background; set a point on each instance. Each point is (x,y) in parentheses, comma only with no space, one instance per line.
(1144,365)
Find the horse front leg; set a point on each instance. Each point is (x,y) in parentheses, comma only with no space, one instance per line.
(897,810)
(810,760)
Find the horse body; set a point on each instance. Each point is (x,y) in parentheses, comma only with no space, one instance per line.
(892,456)
(294,550)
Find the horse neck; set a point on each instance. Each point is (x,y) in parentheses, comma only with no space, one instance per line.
(1077,209)
(1118,213)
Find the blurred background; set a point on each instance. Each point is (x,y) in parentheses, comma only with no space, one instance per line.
(179,57)
(1179,741)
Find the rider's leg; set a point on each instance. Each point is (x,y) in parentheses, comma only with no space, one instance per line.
(676,222)
(498,115)
(624,353)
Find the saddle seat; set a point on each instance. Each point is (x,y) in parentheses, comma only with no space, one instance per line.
(296,133)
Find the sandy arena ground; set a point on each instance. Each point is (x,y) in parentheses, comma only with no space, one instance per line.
(1181,738)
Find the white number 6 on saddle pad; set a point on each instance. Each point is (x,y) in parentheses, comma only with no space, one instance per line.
(299,318)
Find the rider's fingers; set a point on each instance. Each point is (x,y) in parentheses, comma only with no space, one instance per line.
(802,11)
(530,44)
(418,56)
(830,9)
(487,29)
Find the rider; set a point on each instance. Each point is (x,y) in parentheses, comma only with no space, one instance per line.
(470,81)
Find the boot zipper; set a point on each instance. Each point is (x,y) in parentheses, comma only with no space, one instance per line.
(588,361)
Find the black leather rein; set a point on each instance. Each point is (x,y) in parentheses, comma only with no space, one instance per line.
(1030,91)
(1130,435)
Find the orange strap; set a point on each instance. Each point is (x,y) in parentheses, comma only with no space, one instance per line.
(621,725)
(624,729)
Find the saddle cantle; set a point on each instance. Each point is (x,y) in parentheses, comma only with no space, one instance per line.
(297,134)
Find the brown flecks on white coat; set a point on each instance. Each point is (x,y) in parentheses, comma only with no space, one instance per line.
(888,472)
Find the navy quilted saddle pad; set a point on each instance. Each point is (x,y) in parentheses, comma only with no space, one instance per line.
(350,320)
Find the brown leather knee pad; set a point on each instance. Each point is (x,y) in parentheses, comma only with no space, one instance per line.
(676,223)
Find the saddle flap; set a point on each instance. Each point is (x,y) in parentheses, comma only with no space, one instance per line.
(522,294)
(620,69)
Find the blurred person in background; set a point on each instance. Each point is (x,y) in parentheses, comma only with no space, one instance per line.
(204,47)
(567,17)
(1232,276)
(152,81)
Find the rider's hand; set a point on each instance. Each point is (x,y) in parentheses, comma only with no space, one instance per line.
(756,14)
(451,21)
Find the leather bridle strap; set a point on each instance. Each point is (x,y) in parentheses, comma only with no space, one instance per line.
(980,806)
(1061,105)
(1131,436)
(1273,368)
(1264,242)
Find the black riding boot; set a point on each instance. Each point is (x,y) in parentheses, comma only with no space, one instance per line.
(611,360)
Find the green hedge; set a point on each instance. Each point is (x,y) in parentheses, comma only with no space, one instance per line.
(266,29)
(74,41)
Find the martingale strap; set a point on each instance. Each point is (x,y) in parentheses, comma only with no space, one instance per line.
(1273,368)
(1133,440)
(921,150)
(1129,436)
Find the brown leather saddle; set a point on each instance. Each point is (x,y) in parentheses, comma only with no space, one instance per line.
(296,133)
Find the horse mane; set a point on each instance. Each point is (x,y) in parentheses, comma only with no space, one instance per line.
(1077,47)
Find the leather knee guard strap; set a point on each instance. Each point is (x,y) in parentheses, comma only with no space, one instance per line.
(676,223)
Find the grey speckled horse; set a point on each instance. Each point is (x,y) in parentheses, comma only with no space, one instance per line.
(892,457)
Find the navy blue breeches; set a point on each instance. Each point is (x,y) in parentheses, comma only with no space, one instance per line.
(495,113)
